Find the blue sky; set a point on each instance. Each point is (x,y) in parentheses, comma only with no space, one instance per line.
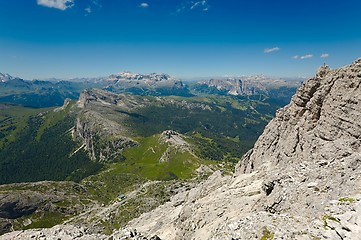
(184,38)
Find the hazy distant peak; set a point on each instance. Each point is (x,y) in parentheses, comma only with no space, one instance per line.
(136,76)
(4,77)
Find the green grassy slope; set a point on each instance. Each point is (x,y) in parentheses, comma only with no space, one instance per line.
(36,145)
(229,127)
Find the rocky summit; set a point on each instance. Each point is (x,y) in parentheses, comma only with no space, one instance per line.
(302,180)
(4,77)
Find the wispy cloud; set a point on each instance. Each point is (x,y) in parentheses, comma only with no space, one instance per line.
(324,55)
(96,3)
(296,57)
(306,56)
(58,4)
(193,6)
(93,5)
(200,5)
(88,10)
(269,50)
(144,5)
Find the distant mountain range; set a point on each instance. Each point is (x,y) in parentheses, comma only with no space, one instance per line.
(6,77)
(52,92)
(152,77)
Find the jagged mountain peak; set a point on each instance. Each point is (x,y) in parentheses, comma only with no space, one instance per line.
(4,77)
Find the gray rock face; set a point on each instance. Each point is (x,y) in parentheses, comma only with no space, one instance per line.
(103,138)
(14,206)
(320,123)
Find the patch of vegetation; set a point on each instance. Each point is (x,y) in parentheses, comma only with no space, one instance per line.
(347,200)
(326,217)
(52,118)
(267,234)
(107,185)
(46,156)
(13,120)
(144,161)
(44,220)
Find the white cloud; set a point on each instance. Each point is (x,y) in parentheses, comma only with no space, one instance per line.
(306,56)
(325,55)
(144,5)
(58,4)
(269,50)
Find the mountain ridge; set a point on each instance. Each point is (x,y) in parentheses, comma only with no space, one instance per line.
(53,92)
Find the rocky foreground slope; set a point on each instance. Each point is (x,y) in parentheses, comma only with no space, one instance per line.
(302,180)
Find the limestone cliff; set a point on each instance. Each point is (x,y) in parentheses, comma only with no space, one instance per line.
(103,138)
(320,124)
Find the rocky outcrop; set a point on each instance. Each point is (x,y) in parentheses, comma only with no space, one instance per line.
(68,232)
(14,206)
(101,137)
(174,138)
(320,123)
(67,102)
(175,142)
